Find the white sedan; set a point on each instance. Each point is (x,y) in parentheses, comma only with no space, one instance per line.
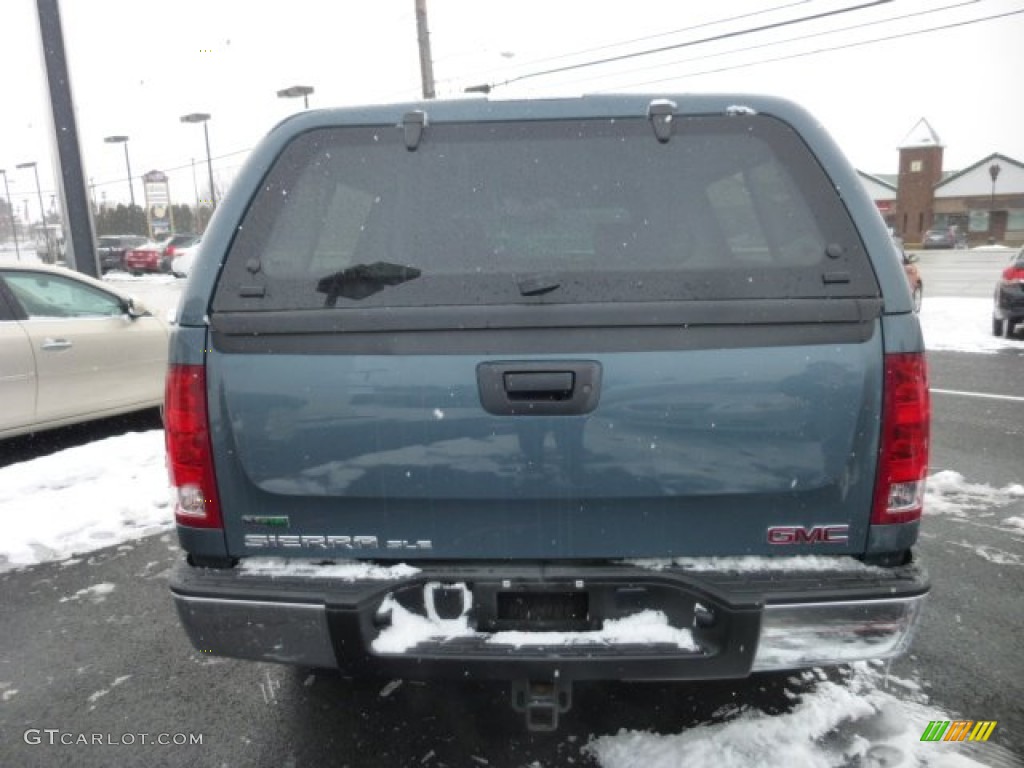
(73,349)
(183,259)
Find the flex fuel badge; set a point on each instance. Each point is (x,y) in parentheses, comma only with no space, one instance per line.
(267,521)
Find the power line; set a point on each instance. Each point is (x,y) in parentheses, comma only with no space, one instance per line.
(645,38)
(176,168)
(123,179)
(786,41)
(887,38)
(675,46)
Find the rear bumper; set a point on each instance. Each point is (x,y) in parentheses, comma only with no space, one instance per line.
(145,263)
(1009,303)
(671,623)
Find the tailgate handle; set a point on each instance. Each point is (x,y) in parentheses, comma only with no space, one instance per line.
(542,385)
(548,388)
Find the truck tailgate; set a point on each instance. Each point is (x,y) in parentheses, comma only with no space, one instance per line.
(397,454)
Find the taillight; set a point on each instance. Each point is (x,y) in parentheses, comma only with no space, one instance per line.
(903,452)
(1014,273)
(189,452)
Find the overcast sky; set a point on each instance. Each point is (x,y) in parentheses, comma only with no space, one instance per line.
(138,65)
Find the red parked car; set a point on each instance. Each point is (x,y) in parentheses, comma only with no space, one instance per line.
(156,257)
(148,257)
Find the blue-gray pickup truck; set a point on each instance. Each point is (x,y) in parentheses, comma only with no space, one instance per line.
(622,387)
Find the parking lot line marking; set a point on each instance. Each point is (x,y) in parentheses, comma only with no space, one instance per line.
(984,395)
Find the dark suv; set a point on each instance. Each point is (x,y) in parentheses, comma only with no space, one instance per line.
(619,387)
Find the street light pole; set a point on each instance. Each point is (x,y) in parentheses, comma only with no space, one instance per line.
(127,163)
(42,210)
(209,166)
(195,189)
(10,209)
(203,117)
(295,91)
(993,172)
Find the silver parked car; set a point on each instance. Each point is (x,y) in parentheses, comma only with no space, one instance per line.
(73,349)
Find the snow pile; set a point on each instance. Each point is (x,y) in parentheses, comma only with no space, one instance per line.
(83,499)
(408,629)
(994,248)
(97,593)
(948,493)
(961,325)
(856,723)
(645,627)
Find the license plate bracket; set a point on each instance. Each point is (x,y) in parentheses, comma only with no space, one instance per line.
(542,611)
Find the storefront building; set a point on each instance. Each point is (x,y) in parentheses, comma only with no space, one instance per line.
(984,200)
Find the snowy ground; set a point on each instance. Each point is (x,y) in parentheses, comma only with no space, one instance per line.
(63,506)
(870,720)
(962,325)
(82,499)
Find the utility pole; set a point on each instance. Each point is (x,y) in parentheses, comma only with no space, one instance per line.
(426,62)
(81,240)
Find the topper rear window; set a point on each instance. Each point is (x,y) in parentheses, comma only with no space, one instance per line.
(572,211)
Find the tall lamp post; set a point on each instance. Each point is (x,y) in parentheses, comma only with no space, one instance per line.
(203,117)
(42,210)
(993,172)
(195,188)
(127,164)
(295,91)
(10,209)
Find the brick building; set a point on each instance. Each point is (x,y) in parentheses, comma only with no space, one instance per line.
(984,200)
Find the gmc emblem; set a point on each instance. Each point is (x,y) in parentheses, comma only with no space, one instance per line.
(816,534)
